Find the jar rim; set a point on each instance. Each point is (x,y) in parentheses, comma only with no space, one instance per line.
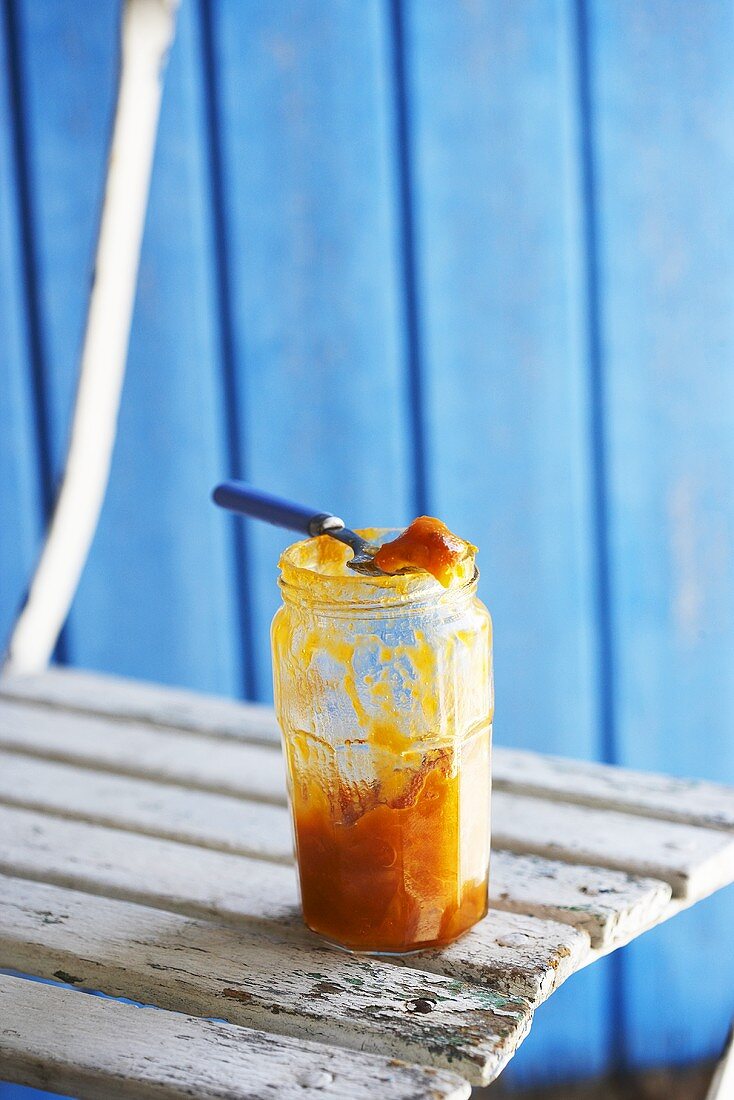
(308,584)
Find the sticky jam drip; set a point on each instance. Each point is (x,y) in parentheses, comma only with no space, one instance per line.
(429,545)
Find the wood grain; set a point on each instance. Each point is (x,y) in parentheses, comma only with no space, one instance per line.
(260,980)
(691,801)
(78,724)
(693,860)
(606,905)
(90,1047)
(309,311)
(611,906)
(517,954)
(137,805)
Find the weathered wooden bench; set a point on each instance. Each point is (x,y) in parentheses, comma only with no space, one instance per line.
(145,852)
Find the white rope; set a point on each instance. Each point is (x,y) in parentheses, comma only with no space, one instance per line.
(147,32)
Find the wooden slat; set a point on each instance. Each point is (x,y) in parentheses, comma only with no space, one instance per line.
(92,734)
(90,1047)
(515,954)
(140,750)
(258,979)
(538,887)
(695,861)
(140,701)
(692,801)
(138,805)
(610,905)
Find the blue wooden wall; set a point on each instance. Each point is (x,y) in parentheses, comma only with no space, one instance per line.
(466,256)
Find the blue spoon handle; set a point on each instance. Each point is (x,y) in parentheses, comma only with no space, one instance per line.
(242,498)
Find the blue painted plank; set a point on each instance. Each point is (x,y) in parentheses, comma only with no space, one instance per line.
(21,489)
(500,289)
(500,286)
(19,1092)
(160,573)
(662,108)
(156,599)
(313,269)
(68,53)
(552,1053)
(20,498)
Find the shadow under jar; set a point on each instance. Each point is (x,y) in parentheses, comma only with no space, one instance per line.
(383,691)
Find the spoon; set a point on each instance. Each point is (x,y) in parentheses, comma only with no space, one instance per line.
(242,498)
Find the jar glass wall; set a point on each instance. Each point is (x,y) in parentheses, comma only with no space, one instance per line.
(383,690)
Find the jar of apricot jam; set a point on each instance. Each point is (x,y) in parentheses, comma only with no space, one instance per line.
(383,690)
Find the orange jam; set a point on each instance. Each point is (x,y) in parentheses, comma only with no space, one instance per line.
(381,870)
(383,690)
(426,544)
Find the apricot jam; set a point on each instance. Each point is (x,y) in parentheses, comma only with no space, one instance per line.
(426,544)
(383,689)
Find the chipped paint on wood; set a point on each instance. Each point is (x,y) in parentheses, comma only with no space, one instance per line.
(693,860)
(608,905)
(517,955)
(129,706)
(91,1047)
(691,801)
(185,965)
(138,776)
(140,805)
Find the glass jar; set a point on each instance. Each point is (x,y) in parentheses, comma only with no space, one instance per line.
(383,691)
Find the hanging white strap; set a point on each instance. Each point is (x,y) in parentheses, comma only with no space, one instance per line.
(147,32)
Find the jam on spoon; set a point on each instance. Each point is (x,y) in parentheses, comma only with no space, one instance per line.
(427,544)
